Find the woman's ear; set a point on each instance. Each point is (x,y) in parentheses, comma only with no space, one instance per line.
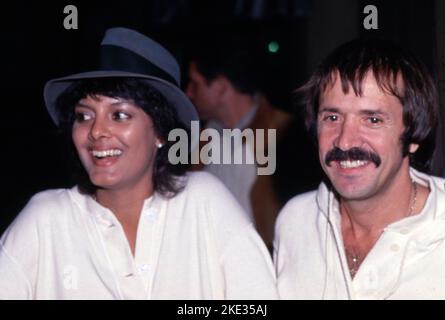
(159,144)
(413,147)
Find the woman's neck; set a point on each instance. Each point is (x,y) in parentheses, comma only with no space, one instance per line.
(125,203)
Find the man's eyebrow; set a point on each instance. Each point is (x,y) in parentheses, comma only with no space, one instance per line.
(373,112)
(368,112)
(328,109)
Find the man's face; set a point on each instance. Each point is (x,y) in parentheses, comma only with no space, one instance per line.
(203,95)
(370,127)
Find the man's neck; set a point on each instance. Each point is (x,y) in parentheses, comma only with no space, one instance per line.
(377,212)
(237,107)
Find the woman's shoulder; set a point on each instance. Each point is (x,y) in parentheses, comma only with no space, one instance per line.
(204,182)
(206,187)
(200,176)
(41,211)
(50,198)
(45,203)
(208,194)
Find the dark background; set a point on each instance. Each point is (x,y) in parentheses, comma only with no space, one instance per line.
(36,47)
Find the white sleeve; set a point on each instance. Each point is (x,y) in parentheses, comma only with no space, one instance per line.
(13,282)
(248,269)
(245,261)
(19,252)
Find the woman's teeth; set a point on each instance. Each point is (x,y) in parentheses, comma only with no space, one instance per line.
(352,164)
(106,153)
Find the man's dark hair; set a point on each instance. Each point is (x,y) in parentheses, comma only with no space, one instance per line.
(167,177)
(235,58)
(388,63)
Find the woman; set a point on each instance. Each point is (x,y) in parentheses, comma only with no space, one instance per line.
(135,226)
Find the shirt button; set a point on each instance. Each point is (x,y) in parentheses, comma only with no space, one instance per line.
(371,280)
(106,221)
(395,247)
(143,268)
(150,215)
(404,231)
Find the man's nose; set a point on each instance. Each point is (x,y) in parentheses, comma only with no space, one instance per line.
(349,135)
(189,91)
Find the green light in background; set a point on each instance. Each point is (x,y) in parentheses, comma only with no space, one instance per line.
(273,47)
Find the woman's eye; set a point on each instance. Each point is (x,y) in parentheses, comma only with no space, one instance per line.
(81,117)
(119,115)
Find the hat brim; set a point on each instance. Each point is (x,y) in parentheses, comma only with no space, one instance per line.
(174,95)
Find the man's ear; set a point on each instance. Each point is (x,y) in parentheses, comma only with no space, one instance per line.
(223,84)
(413,147)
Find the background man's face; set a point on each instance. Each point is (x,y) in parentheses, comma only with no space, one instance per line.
(372,123)
(203,95)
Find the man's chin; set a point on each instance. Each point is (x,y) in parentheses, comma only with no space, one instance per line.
(353,192)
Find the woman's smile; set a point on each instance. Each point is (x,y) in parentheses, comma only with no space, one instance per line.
(115,140)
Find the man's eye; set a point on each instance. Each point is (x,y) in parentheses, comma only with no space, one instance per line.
(374,120)
(119,115)
(331,118)
(81,117)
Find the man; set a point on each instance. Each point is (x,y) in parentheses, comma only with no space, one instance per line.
(375,229)
(224,86)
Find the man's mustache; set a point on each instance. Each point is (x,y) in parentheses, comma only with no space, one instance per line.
(336,154)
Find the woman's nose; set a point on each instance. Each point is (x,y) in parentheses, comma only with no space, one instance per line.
(99,129)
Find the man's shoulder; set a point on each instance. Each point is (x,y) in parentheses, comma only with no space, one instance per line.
(437,185)
(302,199)
(270,117)
(434,183)
(297,206)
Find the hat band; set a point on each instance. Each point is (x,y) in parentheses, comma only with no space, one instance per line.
(118,58)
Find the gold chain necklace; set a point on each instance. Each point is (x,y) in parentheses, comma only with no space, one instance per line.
(354,259)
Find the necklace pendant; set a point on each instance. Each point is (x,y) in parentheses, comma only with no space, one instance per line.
(353,262)
(352,272)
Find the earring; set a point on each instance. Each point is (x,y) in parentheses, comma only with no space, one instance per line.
(159,145)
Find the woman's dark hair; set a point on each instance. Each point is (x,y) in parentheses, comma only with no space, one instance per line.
(388,63)
(167,178)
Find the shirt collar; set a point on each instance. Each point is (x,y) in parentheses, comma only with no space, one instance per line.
(104,215)
(433,213)
(249,116)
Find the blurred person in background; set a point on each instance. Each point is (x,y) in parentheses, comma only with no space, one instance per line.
(225,82)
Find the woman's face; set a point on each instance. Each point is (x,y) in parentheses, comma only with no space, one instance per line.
(116,142)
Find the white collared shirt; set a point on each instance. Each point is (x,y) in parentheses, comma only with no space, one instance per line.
(196,245)
(239,178)
(407,261)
